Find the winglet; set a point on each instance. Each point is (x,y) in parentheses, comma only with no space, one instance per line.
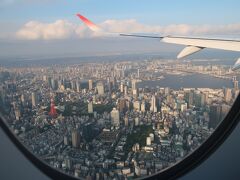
(90,24)
(236,65)
(188,51)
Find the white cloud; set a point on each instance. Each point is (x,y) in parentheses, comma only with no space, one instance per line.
(63,29)
(34,30)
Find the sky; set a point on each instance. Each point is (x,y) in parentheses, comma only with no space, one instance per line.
(50,27)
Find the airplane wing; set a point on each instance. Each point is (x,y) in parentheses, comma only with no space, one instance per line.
(193,45)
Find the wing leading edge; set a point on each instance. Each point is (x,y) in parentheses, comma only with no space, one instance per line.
(193,44)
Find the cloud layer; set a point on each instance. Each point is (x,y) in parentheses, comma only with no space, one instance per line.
(63,29)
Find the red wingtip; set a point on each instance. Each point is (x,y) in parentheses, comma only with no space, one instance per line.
(86,21)
(90,24)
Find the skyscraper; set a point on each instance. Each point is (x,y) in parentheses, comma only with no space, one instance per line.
(136,121)
(203,99)
(235,84)
(34,99)
(73,85)
(166,91)
(135,93)
(78,86)
(122,87)
(224,110)
(189,98)
(100,88)
(148,141)
(110,86)
(75,139)
(136,105)
(54,84)
(143,106)
(153,107)
(134,88)
(122,105)
(17,114)
(90,106)
(126,121)
(134,82)
(90,84)
(214,115)
(228,94)
(23,99)
(115,117)
(125,90)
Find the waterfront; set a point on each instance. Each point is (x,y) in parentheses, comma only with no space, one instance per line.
(188,81)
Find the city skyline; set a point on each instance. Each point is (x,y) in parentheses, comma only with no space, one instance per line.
(119,118)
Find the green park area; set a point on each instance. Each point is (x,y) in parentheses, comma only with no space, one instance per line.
(81,109)
(138,135)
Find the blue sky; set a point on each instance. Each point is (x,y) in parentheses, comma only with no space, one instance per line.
(153,12)
(36,21)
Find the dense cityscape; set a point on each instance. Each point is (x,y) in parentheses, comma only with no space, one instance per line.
(96,121)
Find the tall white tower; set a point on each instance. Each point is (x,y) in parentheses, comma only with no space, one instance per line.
(115,117)
(100,88)
(153,107)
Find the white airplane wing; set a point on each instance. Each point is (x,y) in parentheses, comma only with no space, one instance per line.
(193,45)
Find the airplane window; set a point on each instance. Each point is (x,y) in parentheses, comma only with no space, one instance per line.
(112,97)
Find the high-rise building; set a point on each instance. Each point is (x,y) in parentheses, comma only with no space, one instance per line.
(122,105)
(125,90)
(45,78)
(204,99)
(136,106)
(65,140)
(54,84)
(115,117)
(17,114)
(148,141)
(100,88)
(75,139)
(236,92)
(224,110)
(110,86)
(166,91)
(73,85)
(90,84)
(135,93)
(136,147)
(153,106)
(113,80)
(189,98)
(197,99)
(90,107)
(122,87)
(23,99)
(126,121)
(78,86)
(228,94)
(235,84)
(143,106)
(214,115)
(183,107)
(2,94)
(134,84)
(34,99)
(136,121)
